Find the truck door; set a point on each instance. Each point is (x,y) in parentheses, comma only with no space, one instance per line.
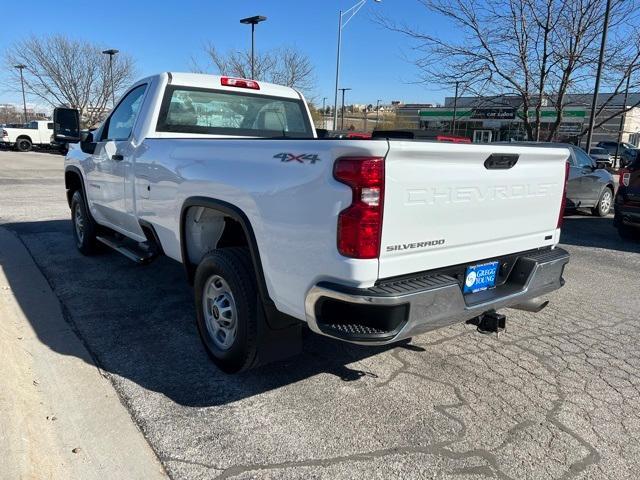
(112,161)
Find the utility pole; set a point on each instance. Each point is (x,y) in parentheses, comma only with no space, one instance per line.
(594,101)
(253,21)
(622,118)
(342,120)
(111,52)
(24,100)
(455,109)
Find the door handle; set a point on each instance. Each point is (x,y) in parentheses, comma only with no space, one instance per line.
(117,157)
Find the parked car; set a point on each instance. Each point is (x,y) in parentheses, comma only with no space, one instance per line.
(37,132)
(601,156)
(589,185)
(369,242)
(611,145)
(627,202)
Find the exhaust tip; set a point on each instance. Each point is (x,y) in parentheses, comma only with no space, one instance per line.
(534,305)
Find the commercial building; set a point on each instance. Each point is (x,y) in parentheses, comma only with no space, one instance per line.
(489,119)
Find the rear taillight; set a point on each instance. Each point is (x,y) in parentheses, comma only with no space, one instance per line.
(239,83)
(563,204)
(360,225)
(625,177)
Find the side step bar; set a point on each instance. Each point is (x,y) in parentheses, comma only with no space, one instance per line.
(142,253)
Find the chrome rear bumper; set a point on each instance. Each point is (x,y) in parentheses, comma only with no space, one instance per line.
(425,302)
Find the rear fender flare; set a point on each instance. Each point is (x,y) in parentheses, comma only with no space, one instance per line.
(275,319)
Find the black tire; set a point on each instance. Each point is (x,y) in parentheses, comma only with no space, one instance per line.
(234,346)
(628,233)
(84,234)
(23,144)
(605,202)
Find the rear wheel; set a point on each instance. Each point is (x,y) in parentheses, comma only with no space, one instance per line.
(84,228)
(227,308)
(603,207)
(23,144)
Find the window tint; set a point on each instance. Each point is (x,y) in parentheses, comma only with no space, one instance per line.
(582,158)
(33,125)
(123,118)
(50,125)
(191,110)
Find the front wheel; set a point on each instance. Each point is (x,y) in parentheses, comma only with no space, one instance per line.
(227,308)
(84,228)
(603,207)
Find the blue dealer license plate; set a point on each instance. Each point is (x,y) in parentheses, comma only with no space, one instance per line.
(480,277)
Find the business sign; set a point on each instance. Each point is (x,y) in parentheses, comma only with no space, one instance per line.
(570,128)
(493,113)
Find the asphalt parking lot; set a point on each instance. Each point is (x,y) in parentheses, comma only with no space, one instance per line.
(556,396)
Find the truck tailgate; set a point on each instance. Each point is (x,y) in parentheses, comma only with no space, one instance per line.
(443,206)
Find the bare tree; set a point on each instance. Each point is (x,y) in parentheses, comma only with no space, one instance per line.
(65,72)
(536,50)
(284,66)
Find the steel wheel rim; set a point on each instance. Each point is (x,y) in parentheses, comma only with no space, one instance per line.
(220,312)
(605,203)
(78,223)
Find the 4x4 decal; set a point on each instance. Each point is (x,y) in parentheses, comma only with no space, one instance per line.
(303,157)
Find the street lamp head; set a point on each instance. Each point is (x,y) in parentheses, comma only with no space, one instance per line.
(111,51)
(20,66)
(254,20)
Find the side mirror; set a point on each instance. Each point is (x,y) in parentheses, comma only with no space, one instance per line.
(87,145)
(66,125)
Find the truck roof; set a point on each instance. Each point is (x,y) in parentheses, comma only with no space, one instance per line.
(201,80)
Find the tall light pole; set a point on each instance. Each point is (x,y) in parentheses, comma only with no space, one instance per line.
(253,21)
(24,100)
(342,115)
(111,52)
(348,14)
(377,111)
(594,101)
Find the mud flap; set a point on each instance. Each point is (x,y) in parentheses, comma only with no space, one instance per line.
(277,344)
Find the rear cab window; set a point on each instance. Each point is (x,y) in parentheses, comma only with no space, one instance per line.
(215,112)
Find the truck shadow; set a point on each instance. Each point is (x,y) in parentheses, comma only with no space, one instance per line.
(138,325)
(585,230)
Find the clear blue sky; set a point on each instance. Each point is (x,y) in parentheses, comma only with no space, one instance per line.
(165,36)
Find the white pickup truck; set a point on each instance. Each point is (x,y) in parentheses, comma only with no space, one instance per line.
(367,241)
(37,132)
